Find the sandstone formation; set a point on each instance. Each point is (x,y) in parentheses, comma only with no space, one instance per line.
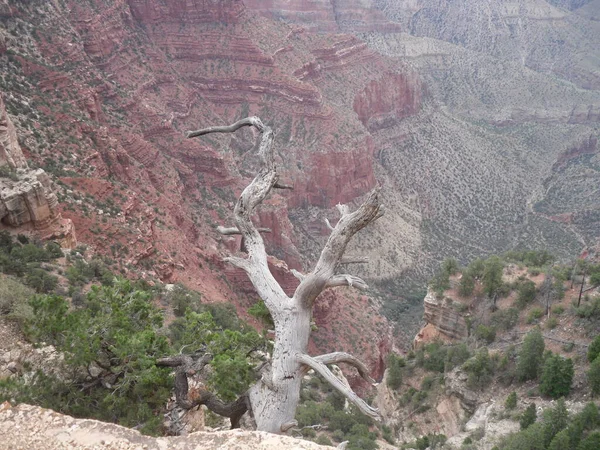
(26,197)
(31,427)
(443,319)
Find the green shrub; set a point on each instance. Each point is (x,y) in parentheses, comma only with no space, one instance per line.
(476,268)
(450,266)
(593,376)
(41,281)
(557,376)
(466,285)
(261,312)
(528,417)
(480,368)
(534,315)
(551,323)
(485,334)
(558,309)
(323,440)
(589,310)
(511,401)
(526,292)
(13,295)
(394,375)
(505,319)
(594,349)
(455,356)
(531,355)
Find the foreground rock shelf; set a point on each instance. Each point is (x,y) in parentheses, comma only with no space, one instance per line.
(32,427)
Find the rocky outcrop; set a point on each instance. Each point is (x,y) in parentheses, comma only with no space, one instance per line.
(10,151)
(32,427)
(442,317)
(28,200)
(26,196)
(387,100)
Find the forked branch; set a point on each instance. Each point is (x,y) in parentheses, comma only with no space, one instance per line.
(185,365)
(350,223)
(322,369)
(255,265)
(343,357)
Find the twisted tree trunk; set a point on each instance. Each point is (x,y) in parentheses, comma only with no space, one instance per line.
(274,398)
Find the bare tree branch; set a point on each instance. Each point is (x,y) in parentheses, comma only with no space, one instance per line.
(328,223)
(185,365)
(343,357)
(283,186)
(341,387)
(298,275)
(348,225)
(255,265)
(346,280)
(230,231)
(288,426)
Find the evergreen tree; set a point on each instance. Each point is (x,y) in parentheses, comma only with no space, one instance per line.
(511,401)
(528,417)
(526,292)
(561,441)
(530,356)
(594,377)
(394,375)
(492,277)
(592,442)
(557,376)
(466,286)
(594,349)
(555,420)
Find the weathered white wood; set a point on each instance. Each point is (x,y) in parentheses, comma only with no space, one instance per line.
(346,280)
(273,399)
(322,369)
(331,255)
(343,357)
(232,231)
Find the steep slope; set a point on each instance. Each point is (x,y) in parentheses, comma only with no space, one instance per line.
(464,133)
(101,94)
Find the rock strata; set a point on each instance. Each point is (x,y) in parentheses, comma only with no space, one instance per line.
(27,200)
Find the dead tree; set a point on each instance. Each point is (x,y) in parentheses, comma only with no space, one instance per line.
(274,398)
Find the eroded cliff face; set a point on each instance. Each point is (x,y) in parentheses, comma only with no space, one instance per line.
(27,201)
(444,318)
(106,93)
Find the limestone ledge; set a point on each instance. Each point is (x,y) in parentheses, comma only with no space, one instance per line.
(31,427)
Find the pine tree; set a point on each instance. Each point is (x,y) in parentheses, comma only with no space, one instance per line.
(511,401)
(592,442)
(561,441)
(492,277)
(530,356)
(557,376)
(555,420)
(594,377)
(594,349)
(528,417)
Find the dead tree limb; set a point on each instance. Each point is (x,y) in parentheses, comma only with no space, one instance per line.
(273,399)
(185,366)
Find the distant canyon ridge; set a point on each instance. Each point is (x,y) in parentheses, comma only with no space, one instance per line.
(480,121)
